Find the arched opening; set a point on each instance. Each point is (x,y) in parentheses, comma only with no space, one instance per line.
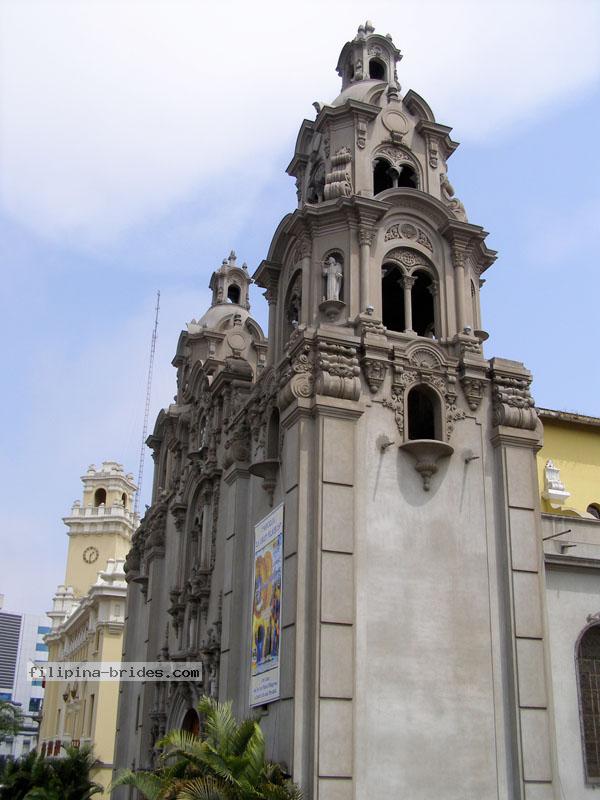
(191,722)
(386,176)
(423,413)
(423,320)
(273,435)
(407,177)
(474,305)
(376,70)
(392,298)
(100,497)
(594,510)
(233,294)
(124,500)
(588,668)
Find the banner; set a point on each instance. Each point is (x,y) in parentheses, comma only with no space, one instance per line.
(266,609)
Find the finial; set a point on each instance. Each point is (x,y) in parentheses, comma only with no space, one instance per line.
(369,28)
(245,266)
(232,258)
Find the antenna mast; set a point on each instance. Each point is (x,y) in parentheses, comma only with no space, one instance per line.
(147,408)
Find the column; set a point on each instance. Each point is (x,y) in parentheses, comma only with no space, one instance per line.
(271,297)
(365,237)
(459,288)
(407,282)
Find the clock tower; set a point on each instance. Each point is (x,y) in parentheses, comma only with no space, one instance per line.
(100,526)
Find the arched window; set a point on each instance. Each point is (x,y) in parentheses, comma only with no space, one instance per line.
(376,70)
(293,303)
(100,497)
(392,297)
(588,669)
(273,435)
(474,305)
(423,320)
(233,294)
(594,510)
(124,500)
(423,413)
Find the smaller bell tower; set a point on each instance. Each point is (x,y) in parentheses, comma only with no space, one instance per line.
(230,283)
(100,526)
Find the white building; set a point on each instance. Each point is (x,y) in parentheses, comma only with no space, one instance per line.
(22,643)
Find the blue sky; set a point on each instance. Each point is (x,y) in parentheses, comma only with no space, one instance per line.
(140,142)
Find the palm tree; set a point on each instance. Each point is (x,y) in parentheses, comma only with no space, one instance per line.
(227,762)
(33,777)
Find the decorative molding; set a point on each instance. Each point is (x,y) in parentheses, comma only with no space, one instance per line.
(406,257)
(554,489)
(406,230)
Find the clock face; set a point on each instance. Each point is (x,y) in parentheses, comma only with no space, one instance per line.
(90,554)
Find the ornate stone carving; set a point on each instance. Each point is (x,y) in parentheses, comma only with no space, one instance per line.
(473,390)
(365,235)
(423,358)
(374,369)
(554,489)
(513,405)
(406,230)
(448,197)
(361,133)
(338,371)
(338,182)
(408,258)
(297,380)
(397,155)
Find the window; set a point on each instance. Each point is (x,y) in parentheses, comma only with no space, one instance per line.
(233,294)
(43,629)
(423,413)
(35,703)
(91,714)
(191,722)
(376,70)
(41,648)
(100,497)
(392,297)
(594,510)
(124,500)
(588,668)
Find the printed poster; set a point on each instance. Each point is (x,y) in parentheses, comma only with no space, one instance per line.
(266,609)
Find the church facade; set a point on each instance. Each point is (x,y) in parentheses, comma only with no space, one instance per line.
(346,526)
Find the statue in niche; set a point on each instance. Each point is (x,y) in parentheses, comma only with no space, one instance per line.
(316,185)
(333,274)
(448,197)
(294,302)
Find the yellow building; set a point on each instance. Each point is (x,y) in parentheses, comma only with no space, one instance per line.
(570,459)
(88,616)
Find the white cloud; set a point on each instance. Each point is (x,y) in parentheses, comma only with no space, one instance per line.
(115,111)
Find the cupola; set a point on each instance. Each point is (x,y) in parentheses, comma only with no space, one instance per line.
(369,56)
(230,283)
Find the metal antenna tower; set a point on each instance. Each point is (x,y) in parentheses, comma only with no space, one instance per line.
(147,408)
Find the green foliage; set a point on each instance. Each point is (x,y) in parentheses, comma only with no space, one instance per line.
(227,762)
(10,719)
(35,778)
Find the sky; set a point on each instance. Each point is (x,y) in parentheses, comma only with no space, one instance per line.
(141,141)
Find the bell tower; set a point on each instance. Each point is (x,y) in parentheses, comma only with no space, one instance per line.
(414,589)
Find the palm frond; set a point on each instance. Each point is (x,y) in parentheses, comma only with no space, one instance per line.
(206,788)
(151,785)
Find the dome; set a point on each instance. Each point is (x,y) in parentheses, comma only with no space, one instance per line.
(364,91)
(220,317)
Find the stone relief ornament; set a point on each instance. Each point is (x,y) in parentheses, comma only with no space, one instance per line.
(298,379)
(374,369)
(512,404)
(338,182)
(406,230)
(337,371)
(473,389)
(448,197)
(397,155)
(361,133)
